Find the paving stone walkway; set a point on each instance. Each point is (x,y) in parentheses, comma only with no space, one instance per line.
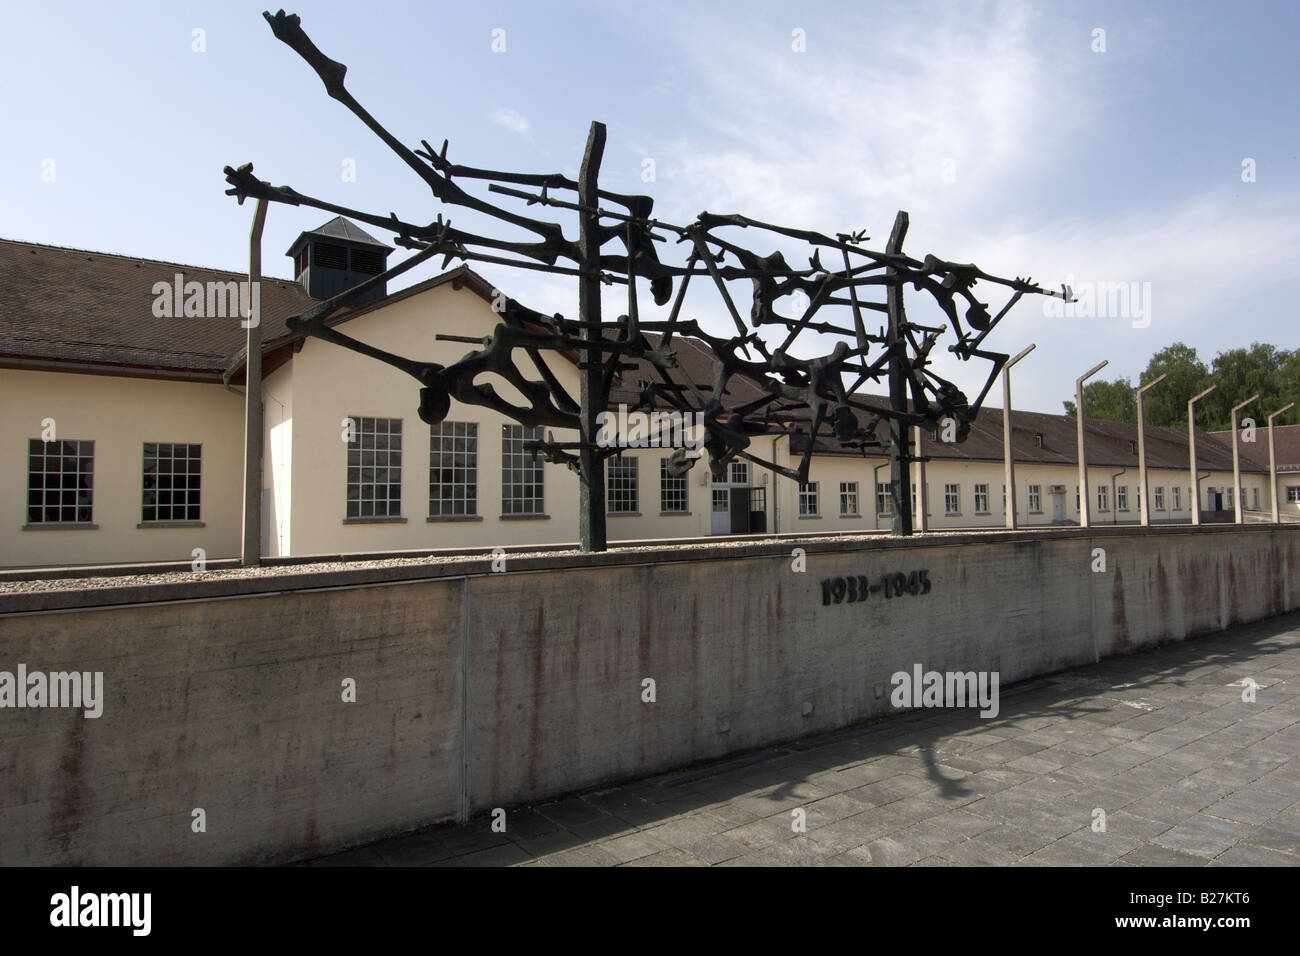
(1188,774)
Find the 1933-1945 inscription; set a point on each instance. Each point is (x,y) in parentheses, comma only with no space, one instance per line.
(855,588)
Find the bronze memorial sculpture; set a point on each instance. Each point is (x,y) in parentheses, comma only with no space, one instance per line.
(818,395)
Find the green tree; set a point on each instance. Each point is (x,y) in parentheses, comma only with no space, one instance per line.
(1114,401)
(1291,378)
(1240,373)
(1186,377)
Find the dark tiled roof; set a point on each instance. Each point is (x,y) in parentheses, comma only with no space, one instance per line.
(1286,441)
(72,307)
(1108,444)
(695,362)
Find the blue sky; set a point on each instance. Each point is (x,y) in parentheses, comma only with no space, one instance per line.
(1011,141)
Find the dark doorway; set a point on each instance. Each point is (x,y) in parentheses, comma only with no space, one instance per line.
(740,510)
(758,510)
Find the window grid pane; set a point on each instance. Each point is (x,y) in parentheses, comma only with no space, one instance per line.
(808,498)
(620,488)
(374,488)
(453,469)
(60,481)
(848,497)
(522,490)
(172,474)
(672,490)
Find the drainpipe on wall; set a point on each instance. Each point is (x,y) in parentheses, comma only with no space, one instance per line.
(921,499)
(1114,501)
(875,494)
(776,508)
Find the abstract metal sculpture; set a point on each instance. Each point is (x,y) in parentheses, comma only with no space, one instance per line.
(812,395)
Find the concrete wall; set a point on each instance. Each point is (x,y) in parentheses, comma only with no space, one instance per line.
(234,707)
(225,693)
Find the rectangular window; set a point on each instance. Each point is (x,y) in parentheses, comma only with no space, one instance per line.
(952,499)
(171,482)
(914,502)
(1178,498)
(738,472)
(1293,493)
(1121,497)
(808,498)
(60,479)
(453,469)
(1103,498)
(1035,499)
(1158,499)
(620,488)
(981,499)
(1229,498)
(721,501)
(672,490)
(1254,499)
(1004,499)
(522,479)
(884,500)
(375,468)
(849,499)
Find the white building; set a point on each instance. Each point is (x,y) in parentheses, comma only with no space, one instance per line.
(120,379)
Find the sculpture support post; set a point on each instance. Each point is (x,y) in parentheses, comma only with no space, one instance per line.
(900,444)
(591,516)
(1191,445)
(1008,464)
(1272,462)
(1237,490)
(251,549)
(1083,451)
(1144,507)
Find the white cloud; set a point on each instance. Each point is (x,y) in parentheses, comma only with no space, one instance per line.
(837,141)
(511,120)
